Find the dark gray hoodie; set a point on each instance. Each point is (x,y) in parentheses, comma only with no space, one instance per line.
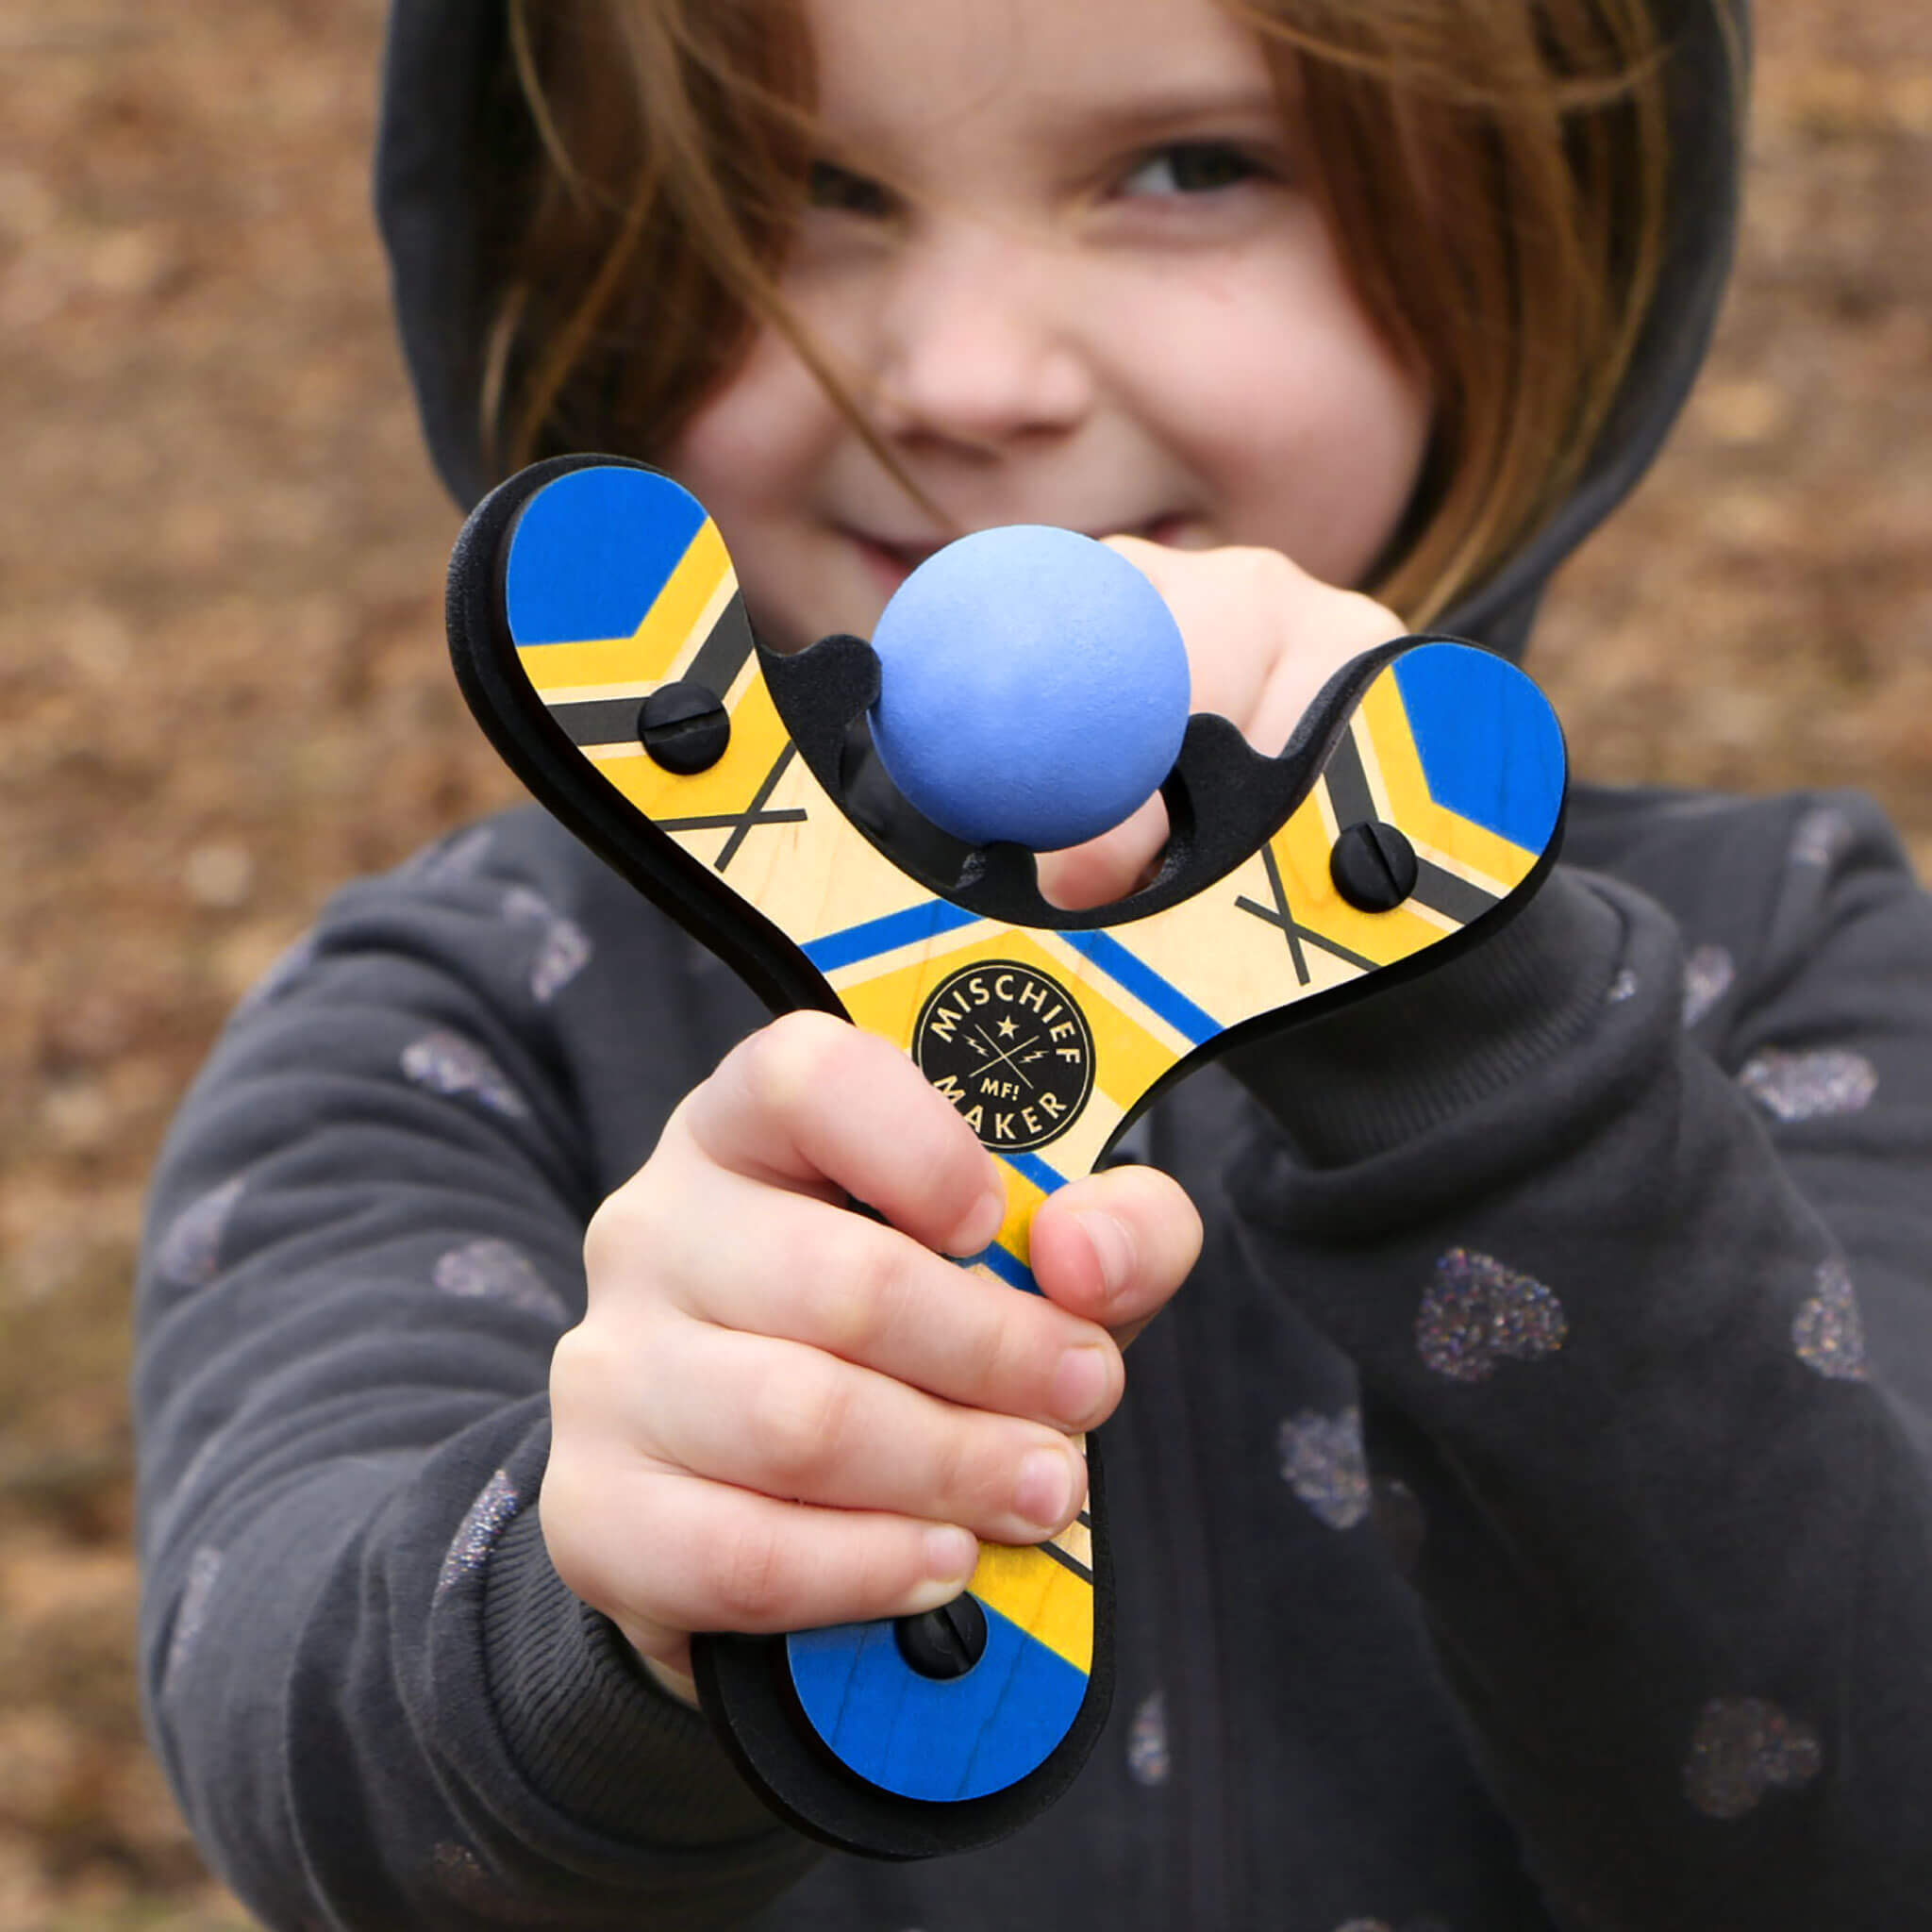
(1523,1518)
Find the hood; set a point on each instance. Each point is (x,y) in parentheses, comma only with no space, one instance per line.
(446,126)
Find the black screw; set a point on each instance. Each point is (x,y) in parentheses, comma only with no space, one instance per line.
(684,726)
(1374,866)
(945,1642)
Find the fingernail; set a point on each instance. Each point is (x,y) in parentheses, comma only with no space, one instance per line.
(1113,1248)
(950,1553)
(1080,1382)
(1044,1494)
(979,1227)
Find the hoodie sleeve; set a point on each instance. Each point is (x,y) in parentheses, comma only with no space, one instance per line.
(1624,1220)
(376,1701)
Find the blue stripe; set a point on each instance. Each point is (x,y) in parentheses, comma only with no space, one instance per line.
(1006,1266)
(1146,985)
(886,935)
(1036,1171)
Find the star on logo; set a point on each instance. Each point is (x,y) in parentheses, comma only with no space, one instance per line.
(1007,1028)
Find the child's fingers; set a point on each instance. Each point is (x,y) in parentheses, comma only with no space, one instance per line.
(1113,1246)
(1347,623)
(1107,868)
(761,1261)
(1263,636)
(693,1554)
(790,1421)
(810,1099)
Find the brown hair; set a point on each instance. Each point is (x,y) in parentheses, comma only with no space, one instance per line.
(1511,251)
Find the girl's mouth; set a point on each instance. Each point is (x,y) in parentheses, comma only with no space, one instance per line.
(892,560)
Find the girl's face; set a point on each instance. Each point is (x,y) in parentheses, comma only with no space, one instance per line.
(1065,256)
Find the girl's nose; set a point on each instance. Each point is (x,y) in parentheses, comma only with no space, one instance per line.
(975,347)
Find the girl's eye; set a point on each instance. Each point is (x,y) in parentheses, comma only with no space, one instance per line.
(1190,167)
(833,187)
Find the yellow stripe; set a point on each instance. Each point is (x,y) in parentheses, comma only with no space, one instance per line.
(1384,722)
(1127,1058)
(1022,1201)
(1045,1598)
(646,657)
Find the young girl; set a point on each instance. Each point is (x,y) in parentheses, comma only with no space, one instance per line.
(1523,1516)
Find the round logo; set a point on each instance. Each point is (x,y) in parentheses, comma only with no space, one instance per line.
(1010,1049)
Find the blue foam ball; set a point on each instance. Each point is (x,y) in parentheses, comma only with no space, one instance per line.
(1033,686)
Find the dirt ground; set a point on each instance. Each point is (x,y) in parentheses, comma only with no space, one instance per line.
(222,687)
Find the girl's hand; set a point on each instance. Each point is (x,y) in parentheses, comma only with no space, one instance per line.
(779,1413)
(1263,637)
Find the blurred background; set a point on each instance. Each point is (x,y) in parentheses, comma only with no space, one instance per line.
(224,690)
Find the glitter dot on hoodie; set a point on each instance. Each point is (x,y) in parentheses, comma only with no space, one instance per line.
(1707,975)
(1828,1332)
(493,1270)
(476,1535)
(1323,1462)
(1742,1749)
(445,1062)
(1809,1085)
(189,1254)
(1478,1313)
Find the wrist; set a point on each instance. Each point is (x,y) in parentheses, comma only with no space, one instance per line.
(590,1722)
(1384,1069)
